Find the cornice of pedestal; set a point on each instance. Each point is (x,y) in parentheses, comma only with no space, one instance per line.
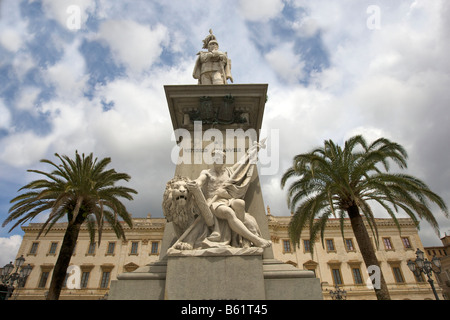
(249,99)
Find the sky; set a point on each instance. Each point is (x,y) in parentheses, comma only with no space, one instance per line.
(89,76)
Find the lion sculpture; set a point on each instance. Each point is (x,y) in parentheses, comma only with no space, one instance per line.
(180,208)
(178,205)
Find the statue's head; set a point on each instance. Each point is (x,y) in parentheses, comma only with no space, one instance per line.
(178,204)
(213,45)
(210,40)
(219,158)
(176,193)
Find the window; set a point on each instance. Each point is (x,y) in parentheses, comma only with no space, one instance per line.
(134,247)
(91,249)
(357,275)
(43,280)
(336,276)
(306,245)
(286,246)
(398,275)
(387,244)
(406,243)
(111,248)
(34,248)
(53,247)
(84,279)
(349,245)
(330,245)
(105,279)
(155,246)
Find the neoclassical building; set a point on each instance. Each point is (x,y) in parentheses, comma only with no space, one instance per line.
(337,263)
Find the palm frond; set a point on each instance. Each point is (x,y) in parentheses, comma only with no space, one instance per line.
(331,179)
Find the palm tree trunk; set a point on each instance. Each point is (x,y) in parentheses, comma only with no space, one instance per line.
(367,250)
(65,254)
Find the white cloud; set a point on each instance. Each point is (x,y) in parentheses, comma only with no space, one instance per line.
(286,63)
(23,149)
(22,63)
(13,28)
(136,46)
(27,99)
(68,75)
(261,10)
(11,39)
(9,248)
(5,116)
(306,27)
(369,133)
(69,123)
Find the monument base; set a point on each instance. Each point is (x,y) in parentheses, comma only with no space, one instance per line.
(283,281)
(215,277)
(145,283)
(240,277)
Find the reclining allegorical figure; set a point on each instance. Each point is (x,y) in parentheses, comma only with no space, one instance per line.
(209,212)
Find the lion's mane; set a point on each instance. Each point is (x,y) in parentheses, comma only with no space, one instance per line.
(181,216)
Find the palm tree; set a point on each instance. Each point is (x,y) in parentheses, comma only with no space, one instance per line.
(81,190)
(335,182)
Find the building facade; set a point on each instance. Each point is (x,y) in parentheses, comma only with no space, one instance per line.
(337,263)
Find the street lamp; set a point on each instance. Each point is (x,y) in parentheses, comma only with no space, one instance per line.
(421,264)
(8,277)
(338,294)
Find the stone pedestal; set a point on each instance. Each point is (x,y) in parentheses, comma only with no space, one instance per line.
(244,277)
(249,102)
(145,283)
(215,277)
(283,281)
(238,275)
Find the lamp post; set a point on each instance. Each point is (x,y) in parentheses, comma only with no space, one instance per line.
(421,264)
(338,294)
(8,277)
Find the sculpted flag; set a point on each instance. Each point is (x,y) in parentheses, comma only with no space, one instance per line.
(242,172)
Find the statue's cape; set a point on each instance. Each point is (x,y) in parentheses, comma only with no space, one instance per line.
(197,69)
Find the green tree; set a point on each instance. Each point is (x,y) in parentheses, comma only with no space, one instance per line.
(335,182)
(80,189)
